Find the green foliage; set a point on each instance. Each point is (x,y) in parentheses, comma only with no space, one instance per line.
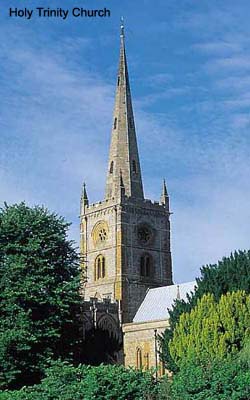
(39,297)
(230,274)
(165,391)
(106,382)
(219,380)
(212,330)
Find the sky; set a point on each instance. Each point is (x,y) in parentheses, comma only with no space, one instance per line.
(189,66)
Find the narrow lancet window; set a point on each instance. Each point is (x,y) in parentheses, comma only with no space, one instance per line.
(100,267)
(115,123)
(103,268)
(146,265)
(138,359)
(146,358)
(111,169)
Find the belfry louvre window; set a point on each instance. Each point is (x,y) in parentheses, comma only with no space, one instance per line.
(115,123)
(100,267)
(146,265)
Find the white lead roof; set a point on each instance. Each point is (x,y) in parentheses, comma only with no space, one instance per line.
(158,300)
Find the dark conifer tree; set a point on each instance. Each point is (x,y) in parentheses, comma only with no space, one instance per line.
(228,275)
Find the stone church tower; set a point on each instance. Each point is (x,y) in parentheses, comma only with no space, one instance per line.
(125,239)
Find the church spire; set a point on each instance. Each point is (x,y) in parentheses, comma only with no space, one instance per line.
(123,155)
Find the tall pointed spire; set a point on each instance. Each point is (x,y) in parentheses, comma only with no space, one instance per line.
(123,156)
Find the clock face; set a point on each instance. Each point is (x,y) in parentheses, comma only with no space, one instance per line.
(144,234)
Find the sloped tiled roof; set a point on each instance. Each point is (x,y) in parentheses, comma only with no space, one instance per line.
(158,300)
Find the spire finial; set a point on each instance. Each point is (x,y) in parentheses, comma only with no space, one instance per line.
(122,27)
(164,195)
(164,189)
(84,199)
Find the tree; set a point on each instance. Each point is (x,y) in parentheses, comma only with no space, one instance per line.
(230,274)
(106,382)
(220,380)
(39,293)
(212,330)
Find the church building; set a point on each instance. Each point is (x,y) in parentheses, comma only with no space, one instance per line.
(125,238)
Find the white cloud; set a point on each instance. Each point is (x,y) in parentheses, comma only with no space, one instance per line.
(218,48)
(234,63)
(158,79)
(55,126)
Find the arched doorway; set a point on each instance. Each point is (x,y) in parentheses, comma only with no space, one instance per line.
(103,342)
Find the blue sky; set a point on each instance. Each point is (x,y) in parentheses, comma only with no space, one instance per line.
(189,65)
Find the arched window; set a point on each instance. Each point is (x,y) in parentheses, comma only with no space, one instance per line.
(138,359)
(118,81)
(134,167)
(146,363)
(100,267)
(115,123)
(142,266)
(146,265)
(111,168)
(103,267)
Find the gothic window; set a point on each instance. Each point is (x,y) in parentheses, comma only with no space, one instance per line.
(134,167)
(115,123)
(100,267)
(146,363)
(146,265)
(138,358)
(144,234)
(98,272)
(102,234)
(118,81)
(103,267)
(111,169)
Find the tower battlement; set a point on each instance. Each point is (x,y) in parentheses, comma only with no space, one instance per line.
(100,205)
